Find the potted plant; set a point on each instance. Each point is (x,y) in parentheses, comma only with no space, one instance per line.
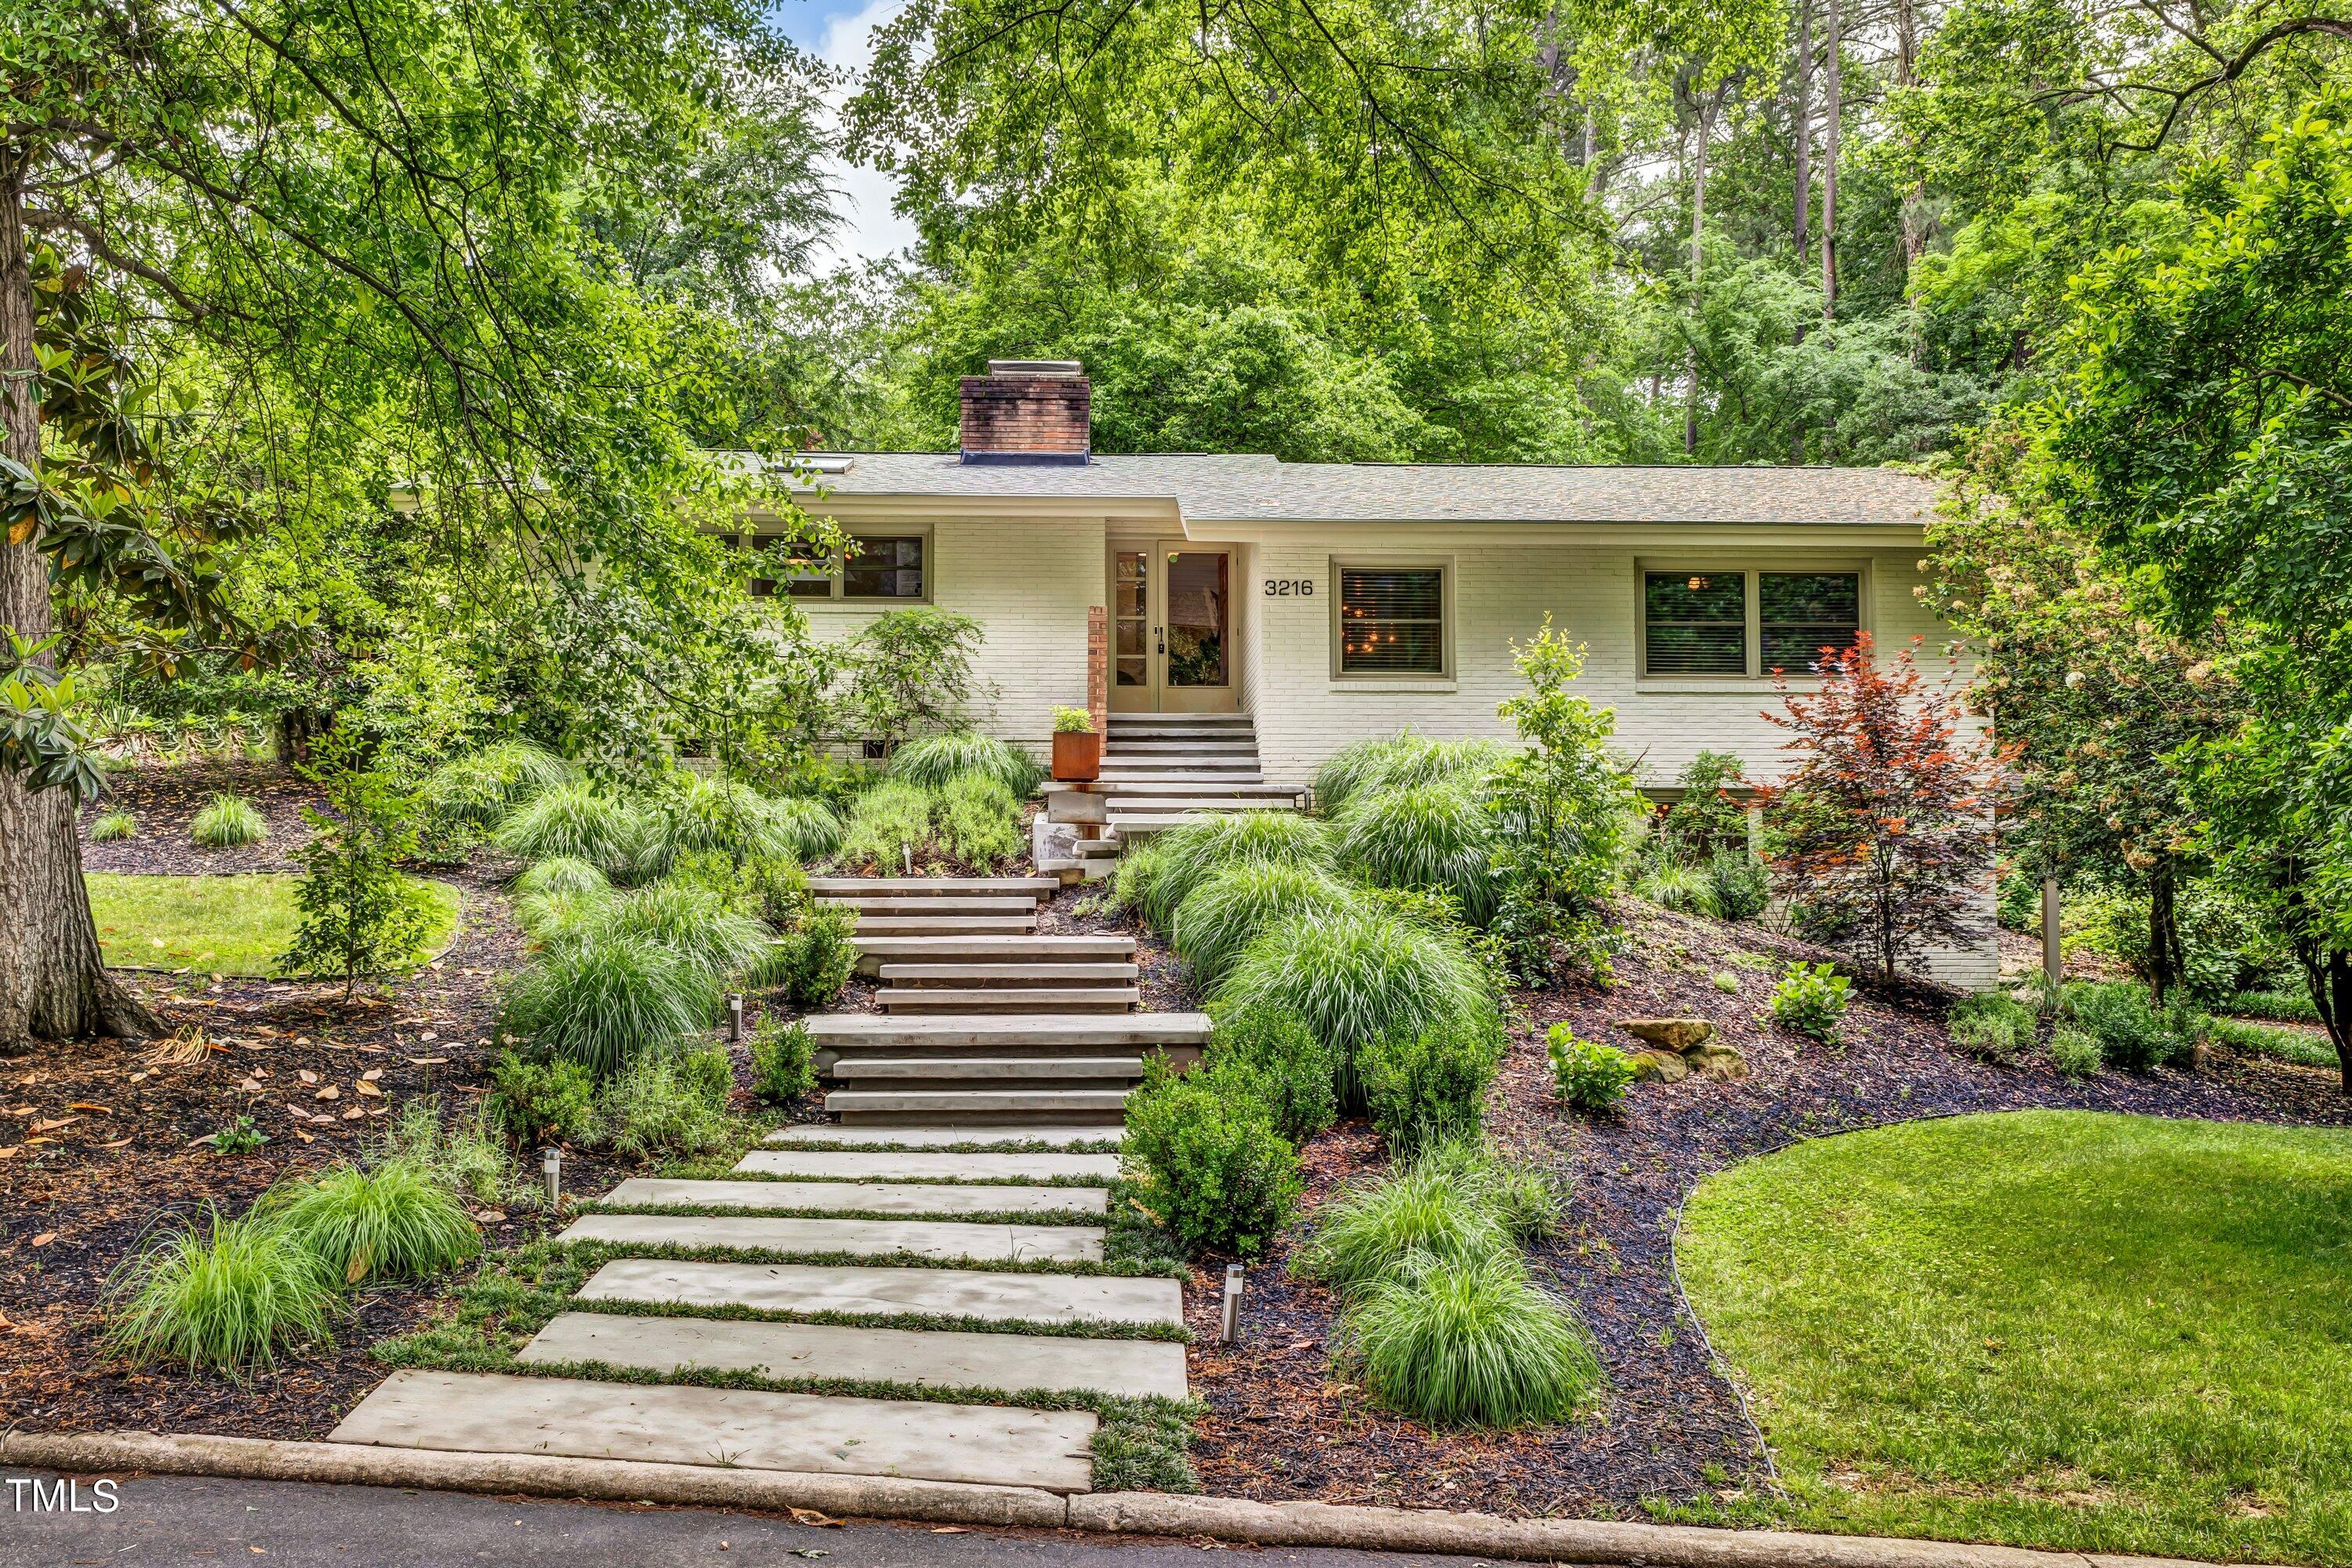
(1077,749)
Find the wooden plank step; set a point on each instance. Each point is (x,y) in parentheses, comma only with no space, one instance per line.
(1009,974)
(739,1428)
(867,1031)
(1007,999)
(1144,827)
(1037,948)
(1027,1072)
(930,1359)
(1111,783)
(1013,908)
(870,926)
(1180,751)
(1163,806)
(1038,888)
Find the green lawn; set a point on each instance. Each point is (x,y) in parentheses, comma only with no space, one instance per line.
(2052,1328)
(221,925)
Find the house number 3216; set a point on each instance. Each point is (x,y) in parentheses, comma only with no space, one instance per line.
(1290,587)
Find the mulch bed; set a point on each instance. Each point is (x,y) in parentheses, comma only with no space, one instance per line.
(1285,1424)
(165,799)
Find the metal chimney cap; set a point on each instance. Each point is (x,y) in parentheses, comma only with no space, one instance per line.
(1061,367)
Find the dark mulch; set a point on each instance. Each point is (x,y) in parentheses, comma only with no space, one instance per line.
(1284,1424)
(99,1152)
(165,799)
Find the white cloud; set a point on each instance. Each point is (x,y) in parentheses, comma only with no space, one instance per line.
(870,228)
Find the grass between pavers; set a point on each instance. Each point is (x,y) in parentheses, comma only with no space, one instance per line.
(222,925)
(1141,1441)
(882,1146)
(1088,1217)
(2066,1330)
(1096,1183)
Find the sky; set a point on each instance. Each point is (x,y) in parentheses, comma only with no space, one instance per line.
(841,33)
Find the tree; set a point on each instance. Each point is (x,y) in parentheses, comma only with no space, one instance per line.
(2207,442)
(1563,804)
(362,238)
(2100,701)
(359,914)
(1884,828)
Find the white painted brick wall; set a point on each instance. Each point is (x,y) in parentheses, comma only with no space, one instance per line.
(1029,583)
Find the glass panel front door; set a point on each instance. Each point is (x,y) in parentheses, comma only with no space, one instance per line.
(1172,616)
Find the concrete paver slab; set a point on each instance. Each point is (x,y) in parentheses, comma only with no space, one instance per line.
(493,1412)
(865,1237)
(824,1133)
(861,1197)
(934,1359)
(840,1287)
(913,1165)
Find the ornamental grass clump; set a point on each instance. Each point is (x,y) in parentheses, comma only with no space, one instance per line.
(549,916)
(1356,978)
(807,826)
(937,760)
(228,822)
(1469,1341)
(394,1222)
(481,787)
(109,827)
(577,820)
(1188,854)
(697,923)
(1435,837)
(713,816)
(561,874)
(1227,911)
(219,1295)
(601,1000)
(1685,889)
(1404,761)
(1430,1209)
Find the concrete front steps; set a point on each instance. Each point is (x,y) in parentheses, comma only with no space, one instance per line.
(1163,770)
(938,905)
(675,1327)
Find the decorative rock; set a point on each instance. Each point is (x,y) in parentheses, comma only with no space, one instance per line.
(1670,1034)
(1724,1064)
(1659,1066)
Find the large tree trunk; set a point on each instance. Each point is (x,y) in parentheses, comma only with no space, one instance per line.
(53,985)
(1706,109)
(1801,156)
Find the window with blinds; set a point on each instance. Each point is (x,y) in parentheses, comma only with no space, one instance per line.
(884,569)
(1695,623)
(1801,613)
(1391,620)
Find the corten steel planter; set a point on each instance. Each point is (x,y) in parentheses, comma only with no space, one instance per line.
(1077,756)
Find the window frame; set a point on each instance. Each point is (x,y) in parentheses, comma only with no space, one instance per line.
(1753,568)
(836,595)
(1443,566)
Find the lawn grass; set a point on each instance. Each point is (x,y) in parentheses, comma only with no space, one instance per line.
(221,925)
(2066,1330)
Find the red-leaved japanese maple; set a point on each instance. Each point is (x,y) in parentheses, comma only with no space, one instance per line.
(1884,825)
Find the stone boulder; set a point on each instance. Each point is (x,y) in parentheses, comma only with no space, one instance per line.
(1658,1066)
(1724,1064)
(1682,1035)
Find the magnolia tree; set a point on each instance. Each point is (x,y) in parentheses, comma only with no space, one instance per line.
(1883,827)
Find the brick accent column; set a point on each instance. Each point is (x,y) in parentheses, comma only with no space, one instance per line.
(1099,666)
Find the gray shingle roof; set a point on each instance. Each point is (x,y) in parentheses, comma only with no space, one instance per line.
(1216,489)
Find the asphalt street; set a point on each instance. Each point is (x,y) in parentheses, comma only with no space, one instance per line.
(183,1520)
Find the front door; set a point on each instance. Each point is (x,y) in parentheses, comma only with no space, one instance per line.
(1171,628)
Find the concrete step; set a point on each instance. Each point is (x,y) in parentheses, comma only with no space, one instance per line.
(1098,850)
(1009,974)
(1238,778)
(974,1108)
(1182,750)
(1165,804)
(1037,888)
(859,1238)
(911,1073)
(991,1294)
(866,1033)
(932,1358)
(481,1412)
(897,1199)
(1127,716)
(914,1166)
(871,926)
(888,904)
(826,1135)
(1034,948)
(1142,827)
(1008,999)
(1125,735)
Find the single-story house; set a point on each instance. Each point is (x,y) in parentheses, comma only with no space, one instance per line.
(1332,601)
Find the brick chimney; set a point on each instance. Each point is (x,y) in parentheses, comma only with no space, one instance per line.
(1027,411)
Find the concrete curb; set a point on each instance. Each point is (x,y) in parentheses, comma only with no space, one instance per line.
(1595,1541)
